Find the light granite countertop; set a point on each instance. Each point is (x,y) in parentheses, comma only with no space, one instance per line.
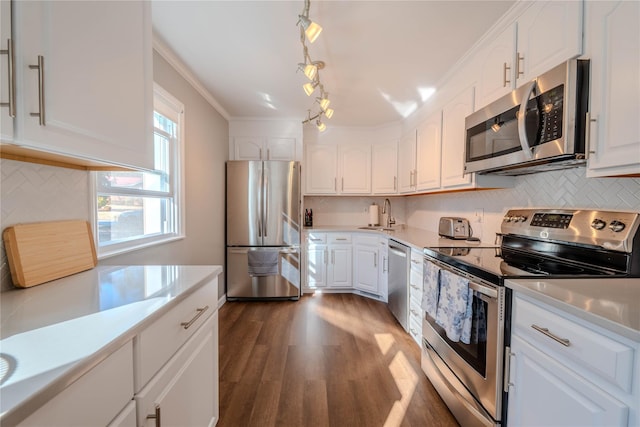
(53,333)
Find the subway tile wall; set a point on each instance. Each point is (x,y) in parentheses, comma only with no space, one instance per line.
(32,192)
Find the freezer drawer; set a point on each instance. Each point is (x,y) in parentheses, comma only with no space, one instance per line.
(245,281)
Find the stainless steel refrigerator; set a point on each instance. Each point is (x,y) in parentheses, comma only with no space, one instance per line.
(263,230)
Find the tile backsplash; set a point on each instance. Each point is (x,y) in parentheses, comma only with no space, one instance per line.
(557,189)
(33,192)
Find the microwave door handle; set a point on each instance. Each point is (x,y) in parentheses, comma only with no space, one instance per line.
(522,130)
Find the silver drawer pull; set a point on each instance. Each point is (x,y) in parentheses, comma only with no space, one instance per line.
(565,342)
(200,312)
(415,313)
(415,287)
(156,416)
(40,68)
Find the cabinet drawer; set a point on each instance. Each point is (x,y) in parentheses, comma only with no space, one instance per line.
(415,312)
(339,238)
(156,344)
(588,352)
(316,238)
(89,401)
(368,240)
(415,330)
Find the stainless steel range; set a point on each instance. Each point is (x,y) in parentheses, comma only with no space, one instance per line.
(550,243)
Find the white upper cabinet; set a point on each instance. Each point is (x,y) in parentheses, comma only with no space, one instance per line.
(549,33)
(321,169)
(453,140)
(354,169)
(7,111)
(613,43)
(384,168)
(260,148)
(428,154)
(407,163)
(84,83)
(496,71)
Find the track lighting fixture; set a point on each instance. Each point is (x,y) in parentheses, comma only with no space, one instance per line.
(310,30)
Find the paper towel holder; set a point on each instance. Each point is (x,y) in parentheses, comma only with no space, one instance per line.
(374,217)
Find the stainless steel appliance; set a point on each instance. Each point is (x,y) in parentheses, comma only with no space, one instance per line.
(549,243)
(539,126)
(263,230)
(399,265)
(454,227)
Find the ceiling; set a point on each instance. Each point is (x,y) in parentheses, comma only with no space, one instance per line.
(382,57)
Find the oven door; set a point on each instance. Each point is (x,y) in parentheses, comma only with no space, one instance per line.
(477,366)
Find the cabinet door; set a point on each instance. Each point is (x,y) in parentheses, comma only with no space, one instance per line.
(247,148)
(496,68)
(339,270)
(281,149)
(321,175)
(407,163)
(546,393)
(317,266)
(185,391)
(428,153)
(366,268)
(549,33)
(613,42)
(453,140)
(384,169)
(6,120)
(97,91)
(383,269)
(355,169)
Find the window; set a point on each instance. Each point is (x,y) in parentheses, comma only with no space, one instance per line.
(138,209)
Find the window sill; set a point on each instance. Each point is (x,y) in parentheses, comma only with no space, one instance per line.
(109,251)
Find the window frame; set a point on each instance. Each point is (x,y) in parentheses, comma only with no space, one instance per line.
(170,107)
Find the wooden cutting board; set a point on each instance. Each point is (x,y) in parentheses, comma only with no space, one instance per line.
(43,251)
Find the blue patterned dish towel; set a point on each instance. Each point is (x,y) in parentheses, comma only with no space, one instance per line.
(430,288)
(455,307)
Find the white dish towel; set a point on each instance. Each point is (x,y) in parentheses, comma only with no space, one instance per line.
(455,310)
(430,288)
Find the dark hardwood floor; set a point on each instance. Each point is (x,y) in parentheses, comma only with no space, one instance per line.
(326,360)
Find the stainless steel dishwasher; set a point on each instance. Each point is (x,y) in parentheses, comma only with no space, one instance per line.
(399,265)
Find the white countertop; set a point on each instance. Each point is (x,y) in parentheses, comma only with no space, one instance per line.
(613,304)
(411,236)
(53,333)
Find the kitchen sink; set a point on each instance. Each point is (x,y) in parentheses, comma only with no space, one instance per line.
(376,227)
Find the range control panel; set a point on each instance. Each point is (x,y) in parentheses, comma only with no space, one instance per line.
(608,229)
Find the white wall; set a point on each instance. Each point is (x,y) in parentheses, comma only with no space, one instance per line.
(32,192)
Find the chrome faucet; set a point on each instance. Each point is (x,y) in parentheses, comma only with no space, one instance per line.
(386,209)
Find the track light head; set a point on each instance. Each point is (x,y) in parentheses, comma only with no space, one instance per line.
(311,29)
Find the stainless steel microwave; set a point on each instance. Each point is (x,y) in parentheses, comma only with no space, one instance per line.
(539,126)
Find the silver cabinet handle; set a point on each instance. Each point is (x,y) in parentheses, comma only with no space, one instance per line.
(375,260)
(199,312)
(40,68)
(333,256)
(413,331)
(415,287)
(519,70)
(12,78)
(565,342)
(342,184)
(260,153)
(384,264)
(268,154)
(335,184)
(415,313)
(507,384)
(341,238)
(588,121)
(156,416)
(316,240)
(504,75)
(395,183)
(326,256)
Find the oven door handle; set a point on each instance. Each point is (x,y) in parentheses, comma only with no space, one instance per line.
(475,283)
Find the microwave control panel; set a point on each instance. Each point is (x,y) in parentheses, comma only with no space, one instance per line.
(550,107)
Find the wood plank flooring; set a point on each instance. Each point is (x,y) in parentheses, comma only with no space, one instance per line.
(326,360)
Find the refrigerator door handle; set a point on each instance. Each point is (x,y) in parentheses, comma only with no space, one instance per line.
(265,220)
(260,202)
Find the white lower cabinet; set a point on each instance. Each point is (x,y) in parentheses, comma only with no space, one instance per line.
(415,296)
(370,265)
(565,371)
(94,399)
(185,391)
(328,260)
